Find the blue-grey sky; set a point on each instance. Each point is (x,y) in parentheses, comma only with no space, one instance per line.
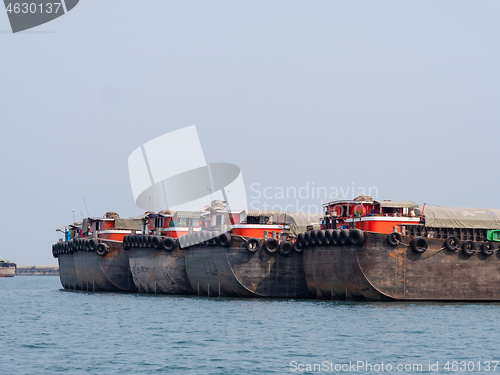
(397,95)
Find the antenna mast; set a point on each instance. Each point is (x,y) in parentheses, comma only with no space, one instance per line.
(86,207)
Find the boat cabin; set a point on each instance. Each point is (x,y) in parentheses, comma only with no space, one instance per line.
(365,213)
(259,224)
(110,227)
(172,223)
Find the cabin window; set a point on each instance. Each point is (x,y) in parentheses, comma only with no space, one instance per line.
(218,220)
(343,211)
(97,225)
(252,220)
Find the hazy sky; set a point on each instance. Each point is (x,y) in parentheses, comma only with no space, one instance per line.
(400,96)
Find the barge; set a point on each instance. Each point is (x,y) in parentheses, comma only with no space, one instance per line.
(91,256)
(253,258)
(157,263)
(417,253)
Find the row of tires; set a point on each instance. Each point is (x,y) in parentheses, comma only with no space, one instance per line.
(80,244)
(355,237)
(253,245)
(453,244)
(169,244)
(330,237)
(145,241)
(271,246)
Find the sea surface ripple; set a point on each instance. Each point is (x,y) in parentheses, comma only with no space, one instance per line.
(45,329)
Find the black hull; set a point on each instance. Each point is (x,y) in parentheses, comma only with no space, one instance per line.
(93,272)
(376,271)
(67,271)
(234,271)
(159,271)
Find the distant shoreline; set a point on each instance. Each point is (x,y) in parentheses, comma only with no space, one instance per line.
(37,270)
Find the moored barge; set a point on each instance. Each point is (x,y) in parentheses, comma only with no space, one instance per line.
(92,257)
(419,253)
(157,263)
(254,258)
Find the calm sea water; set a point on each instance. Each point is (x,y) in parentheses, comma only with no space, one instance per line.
(45,330)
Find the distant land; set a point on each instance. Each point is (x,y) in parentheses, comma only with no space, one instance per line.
(37,270)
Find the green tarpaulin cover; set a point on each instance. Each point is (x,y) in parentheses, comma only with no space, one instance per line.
(128,224)
(455,217)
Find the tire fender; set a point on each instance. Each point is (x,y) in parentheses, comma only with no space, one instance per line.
(452,243)
(328,237)
(167,244)
(225,239)
(394,238)
(102,249)
(356,237)
(419,244)
(252,245)
(285,248)
(488,248)
(469,248)
(270,245)
(344,236)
